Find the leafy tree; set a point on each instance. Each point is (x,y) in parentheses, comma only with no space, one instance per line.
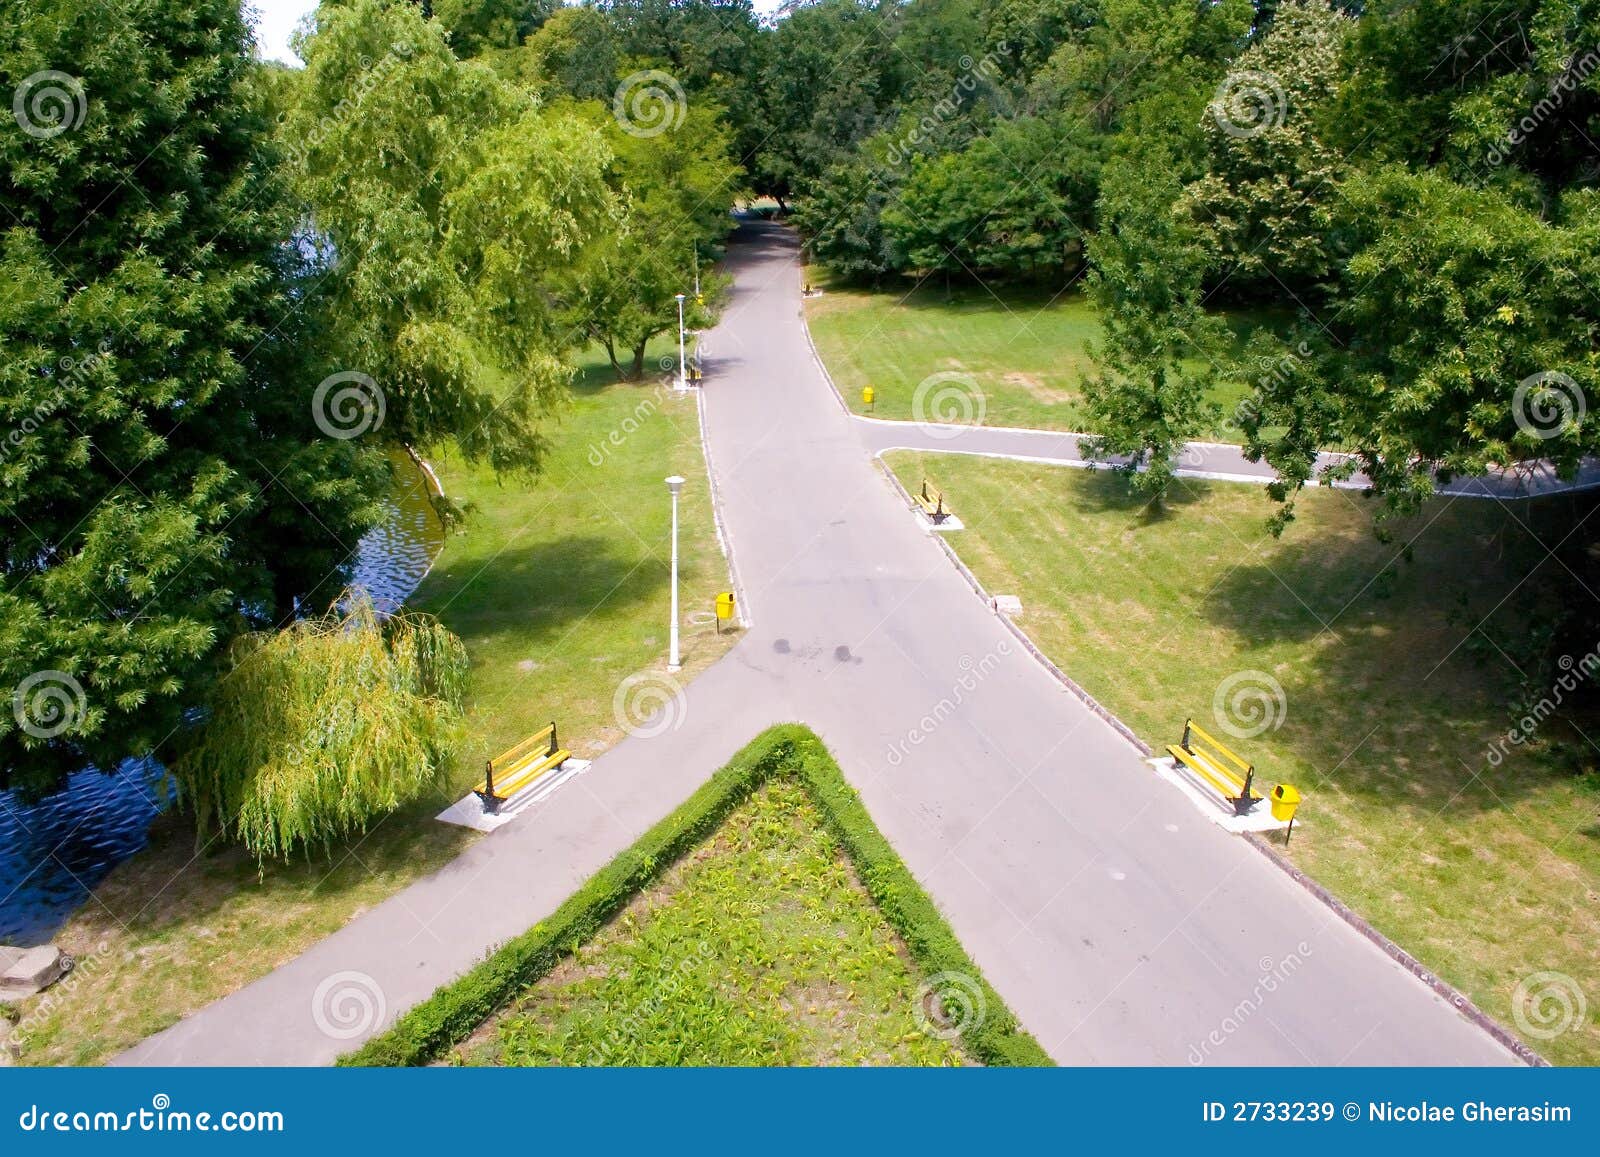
(1440,352)
(163,484)
(714,49)
(452,205)
(1156,359)
(1262,202)
(674,191)
(476,25)
(842,220)
(576,52)
(1023,34)
(1016,203)
(1142,52)
(826,83)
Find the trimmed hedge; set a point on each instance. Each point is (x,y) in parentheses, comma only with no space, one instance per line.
(456,1010)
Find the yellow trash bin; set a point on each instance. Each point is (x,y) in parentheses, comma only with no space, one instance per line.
(724,607)
(1284,801)
(867,395)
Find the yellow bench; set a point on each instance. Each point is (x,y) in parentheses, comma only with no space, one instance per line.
(507,774)
(1222,769)
(931,499)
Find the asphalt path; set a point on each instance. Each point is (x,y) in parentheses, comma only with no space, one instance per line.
(1119,923)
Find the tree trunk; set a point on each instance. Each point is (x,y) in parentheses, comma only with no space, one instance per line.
(611,356)
(638,360)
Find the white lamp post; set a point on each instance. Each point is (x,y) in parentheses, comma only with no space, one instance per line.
(683,383)
(674,484)
(697,272)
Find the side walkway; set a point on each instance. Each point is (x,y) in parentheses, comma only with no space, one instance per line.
(1214,460)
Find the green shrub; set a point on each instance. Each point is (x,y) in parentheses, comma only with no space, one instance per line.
(322,726)
(453,1012)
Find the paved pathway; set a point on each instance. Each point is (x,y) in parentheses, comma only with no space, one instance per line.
(1120,925)
(1216,460)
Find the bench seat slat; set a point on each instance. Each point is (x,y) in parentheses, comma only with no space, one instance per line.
(513,781)
(1220,778)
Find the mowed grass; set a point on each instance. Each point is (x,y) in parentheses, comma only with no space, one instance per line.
(1027,352)
(560,591)
(759,948)
(1489,873)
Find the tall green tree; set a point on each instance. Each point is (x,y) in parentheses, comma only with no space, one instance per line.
(1156,360)
(452,205)
(1016,203)
(477,25)
(673,190)
(163,483)
(1271,173)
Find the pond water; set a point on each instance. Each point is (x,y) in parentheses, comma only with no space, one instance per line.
(54,851)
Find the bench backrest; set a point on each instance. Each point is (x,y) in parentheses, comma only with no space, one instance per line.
(1230,764)
(545,739)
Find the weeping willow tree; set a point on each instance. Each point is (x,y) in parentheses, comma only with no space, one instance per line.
(318,728)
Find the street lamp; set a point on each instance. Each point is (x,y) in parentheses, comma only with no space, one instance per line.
(696,249)
(674,484)
(682,381)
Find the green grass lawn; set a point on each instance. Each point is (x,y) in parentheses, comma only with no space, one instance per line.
(759,948)
(1488,872)
(560,591)
(1026,351)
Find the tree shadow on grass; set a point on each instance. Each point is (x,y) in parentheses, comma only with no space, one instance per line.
(1108,491)
(1389,692)
(539,589)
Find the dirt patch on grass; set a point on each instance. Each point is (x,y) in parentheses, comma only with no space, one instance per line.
(1038,389)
